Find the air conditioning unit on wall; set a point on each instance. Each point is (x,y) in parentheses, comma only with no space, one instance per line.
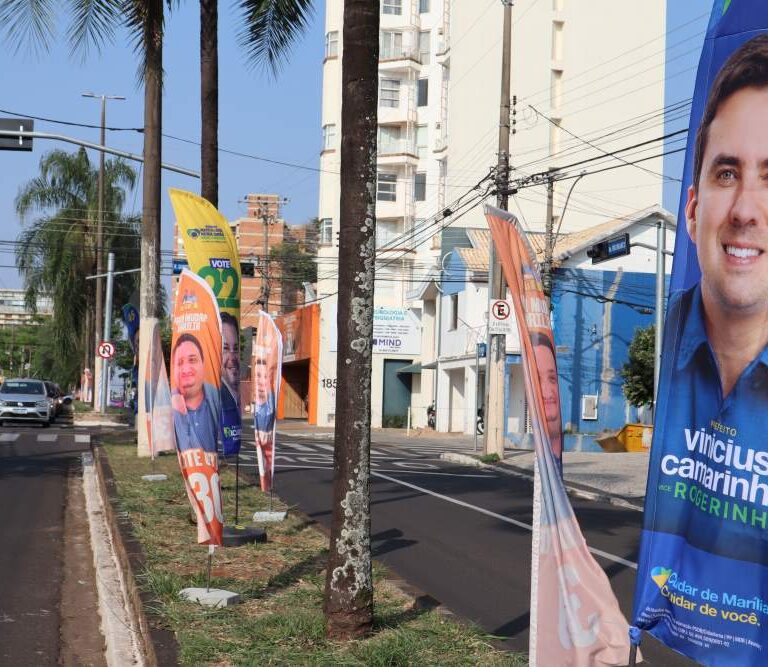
(589,406)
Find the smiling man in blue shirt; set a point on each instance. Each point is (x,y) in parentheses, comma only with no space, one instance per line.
(715,360)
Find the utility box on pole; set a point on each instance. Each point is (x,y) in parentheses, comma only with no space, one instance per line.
(10,143)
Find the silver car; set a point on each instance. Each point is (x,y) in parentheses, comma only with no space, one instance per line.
(25,400)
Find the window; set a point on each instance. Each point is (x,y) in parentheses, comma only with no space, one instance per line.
(420,186)
(389,139)
(422,139)
(386,232)
(392,7)
(332,44)
(423,6)
(329,136)
(424,47)
(453,321)
(326,231)
(386,187)
(422,92)
(391,45)
(389,93)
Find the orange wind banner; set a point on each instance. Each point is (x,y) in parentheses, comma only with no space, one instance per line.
(195,397)
(575,617)
(266,362)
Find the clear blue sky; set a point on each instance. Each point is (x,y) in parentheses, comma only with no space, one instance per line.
(686,24)
(259,115)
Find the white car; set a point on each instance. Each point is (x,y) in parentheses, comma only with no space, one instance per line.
(25,400)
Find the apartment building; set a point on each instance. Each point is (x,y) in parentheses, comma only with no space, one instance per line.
(588,81)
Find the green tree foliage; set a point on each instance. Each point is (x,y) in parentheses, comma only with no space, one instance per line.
(57,251)
(296,266)
(638,371)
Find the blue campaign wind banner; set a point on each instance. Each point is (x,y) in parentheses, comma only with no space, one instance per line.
(702,581)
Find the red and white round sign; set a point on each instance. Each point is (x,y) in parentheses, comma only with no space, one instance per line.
(106,350)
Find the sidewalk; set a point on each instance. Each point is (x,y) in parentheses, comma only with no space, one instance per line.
(618,478)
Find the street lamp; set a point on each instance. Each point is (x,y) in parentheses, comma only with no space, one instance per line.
(100,234)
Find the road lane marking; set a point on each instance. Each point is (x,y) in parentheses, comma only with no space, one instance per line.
(47,437)
(500,517)
(298,447)
(405,472)
(9,437)
(81,438)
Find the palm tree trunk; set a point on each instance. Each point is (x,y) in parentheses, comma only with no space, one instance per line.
(153,111)
(348,585)
(209,100)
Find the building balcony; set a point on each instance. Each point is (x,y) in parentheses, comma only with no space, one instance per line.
(404,112)
(441,143)
(397,153)
(443,53)
(400,59)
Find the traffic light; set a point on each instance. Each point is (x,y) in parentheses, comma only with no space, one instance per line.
(616,246)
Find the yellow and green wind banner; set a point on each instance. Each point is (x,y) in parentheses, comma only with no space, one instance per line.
(211,252)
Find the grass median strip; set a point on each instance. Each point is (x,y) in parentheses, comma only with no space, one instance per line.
(281,583)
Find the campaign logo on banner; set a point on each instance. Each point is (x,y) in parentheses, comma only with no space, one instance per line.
(196,401)
(575,617)
(211,252)
(266,369)
(157,395)
(702,580)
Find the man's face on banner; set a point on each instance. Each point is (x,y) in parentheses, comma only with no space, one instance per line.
(545,361)
(728,216)
(230,358)
(188,363)
(263,384)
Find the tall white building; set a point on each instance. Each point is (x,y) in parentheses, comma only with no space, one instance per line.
(588,78)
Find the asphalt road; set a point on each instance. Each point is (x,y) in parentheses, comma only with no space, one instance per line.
(454,532)
(34,467)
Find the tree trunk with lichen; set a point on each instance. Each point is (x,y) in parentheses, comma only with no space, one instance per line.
(348,584)
(149,295)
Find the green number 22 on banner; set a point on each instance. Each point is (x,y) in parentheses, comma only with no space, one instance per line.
(223,279)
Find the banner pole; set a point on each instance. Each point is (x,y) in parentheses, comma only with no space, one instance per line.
(211,548)
(237,488)
(632,655)
(271,492)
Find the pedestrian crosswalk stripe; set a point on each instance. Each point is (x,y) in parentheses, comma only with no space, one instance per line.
(47,437)
(9,437)
(81,438)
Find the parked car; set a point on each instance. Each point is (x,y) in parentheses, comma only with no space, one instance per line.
(26,399)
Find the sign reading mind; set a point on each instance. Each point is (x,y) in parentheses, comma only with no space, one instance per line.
(395,331)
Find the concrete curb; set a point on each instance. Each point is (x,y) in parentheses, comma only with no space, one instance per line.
(158,645)
(305,436)
(574,488)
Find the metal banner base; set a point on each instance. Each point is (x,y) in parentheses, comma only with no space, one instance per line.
(236,536)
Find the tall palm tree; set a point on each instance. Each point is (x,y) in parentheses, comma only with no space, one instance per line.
(57,250)
(348,584)
(269,29)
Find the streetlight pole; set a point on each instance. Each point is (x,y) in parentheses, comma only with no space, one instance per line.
(100,236)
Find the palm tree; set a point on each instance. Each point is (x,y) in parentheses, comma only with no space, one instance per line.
(270,28)
(348,584)
(57,250)
(94,23)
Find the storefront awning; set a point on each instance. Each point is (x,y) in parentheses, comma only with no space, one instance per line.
(412,368)
(430,366)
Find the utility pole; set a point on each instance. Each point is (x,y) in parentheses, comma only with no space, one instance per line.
(103,399)
(100,231)
(549,237)
(497,343)
(659,333)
